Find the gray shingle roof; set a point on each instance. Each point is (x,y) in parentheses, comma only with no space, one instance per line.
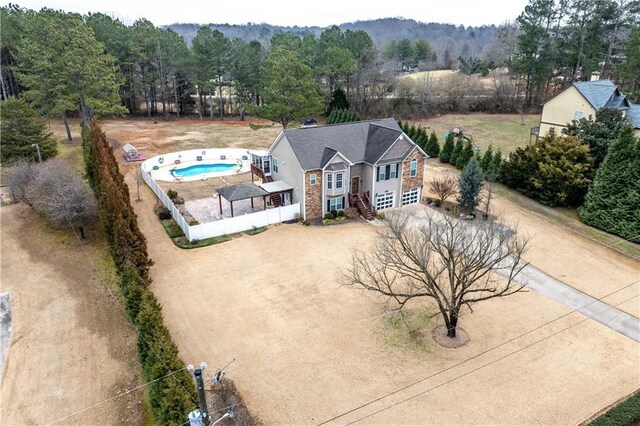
(337,166)
(633,115)
(358,142)
(241,191)
(596,92)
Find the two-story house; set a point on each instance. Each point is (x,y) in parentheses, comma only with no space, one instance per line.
(584,99)
(371,165)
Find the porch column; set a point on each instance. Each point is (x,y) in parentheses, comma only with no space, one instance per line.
(220,200)
(231,208)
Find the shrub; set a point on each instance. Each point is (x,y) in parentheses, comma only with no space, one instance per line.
(380,214)
(340,219)
(340,213)
(163,213)
(437,203)
(172,194)
(623,414)
(327,221)
(306,223)
(297,217)
(444,187)
(556,170)
(329,215)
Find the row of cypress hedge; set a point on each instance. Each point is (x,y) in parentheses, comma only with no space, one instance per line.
(418,134)
(172,398)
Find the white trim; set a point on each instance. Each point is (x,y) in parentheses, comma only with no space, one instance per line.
(387,203)
(349,163)
(275,143)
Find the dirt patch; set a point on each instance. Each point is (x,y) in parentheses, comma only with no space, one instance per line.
(439,334)
(71,346)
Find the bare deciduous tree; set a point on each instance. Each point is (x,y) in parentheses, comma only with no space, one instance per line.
(55,191)
(444,187)
(452,262)
(19,178)
(136,174)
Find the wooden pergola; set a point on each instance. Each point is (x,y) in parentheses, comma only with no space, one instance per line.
(241,191)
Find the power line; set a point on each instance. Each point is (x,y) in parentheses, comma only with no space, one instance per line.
(115,397)
(474,356)
(482,366)
(114,297)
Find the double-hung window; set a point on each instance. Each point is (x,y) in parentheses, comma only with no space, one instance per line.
(313,179)
(390,171)
(274,164)
(413,169)
(338,180)
(329,180)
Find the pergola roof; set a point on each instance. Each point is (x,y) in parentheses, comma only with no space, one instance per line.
(241,191)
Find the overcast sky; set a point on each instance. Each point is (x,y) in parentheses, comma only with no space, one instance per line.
(290,13)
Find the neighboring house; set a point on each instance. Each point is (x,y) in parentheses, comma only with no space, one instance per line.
(371,165)
(583,99)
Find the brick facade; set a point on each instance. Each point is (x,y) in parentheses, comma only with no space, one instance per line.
(313,195)
(409,182)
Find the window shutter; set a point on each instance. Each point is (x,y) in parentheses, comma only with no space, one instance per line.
(378,174)
(328,205)
(342,208)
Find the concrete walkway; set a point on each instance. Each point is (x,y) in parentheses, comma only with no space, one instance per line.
(547,285)
(608,315)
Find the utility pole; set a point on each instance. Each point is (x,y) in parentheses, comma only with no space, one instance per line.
(197,374)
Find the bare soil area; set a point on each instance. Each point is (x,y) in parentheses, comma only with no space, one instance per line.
(308,349)
(71,346)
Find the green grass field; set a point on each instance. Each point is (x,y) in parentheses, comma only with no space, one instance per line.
(502,130)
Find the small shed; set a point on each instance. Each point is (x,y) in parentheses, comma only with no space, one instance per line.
(131,153)
(241,191)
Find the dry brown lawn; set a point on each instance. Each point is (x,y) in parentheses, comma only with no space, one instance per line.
(308,349)
(71,346)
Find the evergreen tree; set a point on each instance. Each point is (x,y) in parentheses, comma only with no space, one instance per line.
(132,287)
(447,149)
(598,134)
(487,160)
(457,151)
(555,170)
(432,147)
(338,101)
(470,183)
(613,201)
(465,155)
(21,128)
(496,164)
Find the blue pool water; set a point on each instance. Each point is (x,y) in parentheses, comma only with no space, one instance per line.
(199,169)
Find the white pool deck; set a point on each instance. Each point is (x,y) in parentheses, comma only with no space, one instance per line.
(160,166)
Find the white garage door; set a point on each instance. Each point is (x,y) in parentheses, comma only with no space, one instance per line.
(385,201)
(410,196)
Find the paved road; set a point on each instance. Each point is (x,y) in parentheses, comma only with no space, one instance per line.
(547,285)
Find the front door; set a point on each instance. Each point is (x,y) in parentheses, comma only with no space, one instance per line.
(287,199)
(355,185)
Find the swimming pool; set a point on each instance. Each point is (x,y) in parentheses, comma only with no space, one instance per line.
(200,169)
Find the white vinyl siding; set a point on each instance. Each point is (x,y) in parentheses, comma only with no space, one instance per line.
(410,196)
(385,201)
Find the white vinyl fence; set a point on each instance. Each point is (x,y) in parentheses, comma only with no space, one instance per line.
(223,226)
